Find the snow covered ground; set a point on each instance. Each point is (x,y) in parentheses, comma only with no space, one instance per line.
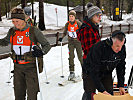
(53,67)
(53,61)
(50,17)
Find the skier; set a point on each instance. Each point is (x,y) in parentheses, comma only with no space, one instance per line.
(101,60)
(24,38)
(70,28)
(88,33)
(29,20)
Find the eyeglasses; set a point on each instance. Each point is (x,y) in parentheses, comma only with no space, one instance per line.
(99,15)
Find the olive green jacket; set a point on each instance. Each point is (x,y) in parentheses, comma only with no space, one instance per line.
(40,38)
(66,27)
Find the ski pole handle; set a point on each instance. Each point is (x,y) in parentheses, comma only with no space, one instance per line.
(41,98)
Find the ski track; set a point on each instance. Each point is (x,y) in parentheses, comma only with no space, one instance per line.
(54,92)
(50,91)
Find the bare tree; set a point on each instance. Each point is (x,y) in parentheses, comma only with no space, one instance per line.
(67,10)
(0,11)
(110,8)
(130,6)
(83,1)
(6,8)
(9,7)
(115,5)
(32,3)
(23,3)
(98,3)
(92,1)
(121,8)
(41,16)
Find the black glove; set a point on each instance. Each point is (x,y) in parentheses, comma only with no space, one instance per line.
(60,39)
(37,52)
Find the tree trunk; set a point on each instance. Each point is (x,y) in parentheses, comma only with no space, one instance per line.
(32,3)
(0,11)
(23,3)
(115,5)
(67,10)
(41,16)
(130,6)
(110,9)
(9,7)
(83,9)
(6,8)
(91,1)
(119,5)
(98,3)
(121,8)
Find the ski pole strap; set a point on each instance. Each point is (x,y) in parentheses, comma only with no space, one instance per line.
(20,62)
(20,59)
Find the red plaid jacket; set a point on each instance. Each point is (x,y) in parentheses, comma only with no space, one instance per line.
(88,34)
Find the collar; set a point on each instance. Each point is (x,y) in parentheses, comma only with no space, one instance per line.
(26,27)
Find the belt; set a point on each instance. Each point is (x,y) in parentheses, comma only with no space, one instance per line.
(21,62)
(19,59)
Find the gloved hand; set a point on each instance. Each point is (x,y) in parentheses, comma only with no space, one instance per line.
(60,39)
(37,52)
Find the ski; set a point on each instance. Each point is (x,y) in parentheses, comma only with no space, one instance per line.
(66,82)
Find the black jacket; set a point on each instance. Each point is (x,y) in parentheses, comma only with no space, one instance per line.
(102,60)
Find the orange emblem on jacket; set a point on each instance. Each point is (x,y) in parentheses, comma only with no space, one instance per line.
(21,38)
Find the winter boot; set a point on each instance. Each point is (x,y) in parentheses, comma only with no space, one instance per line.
(71,76)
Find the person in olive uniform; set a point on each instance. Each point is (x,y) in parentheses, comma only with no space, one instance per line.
(23,39)
(70,29)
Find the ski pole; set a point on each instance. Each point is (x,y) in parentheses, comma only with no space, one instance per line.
(130,80)
(38,79)
(45,74)
(61,62)
(9,73)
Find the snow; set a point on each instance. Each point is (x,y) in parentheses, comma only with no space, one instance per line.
(126,20)
(52,60)
(49,16)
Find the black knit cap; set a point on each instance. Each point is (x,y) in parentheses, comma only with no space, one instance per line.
(18,13)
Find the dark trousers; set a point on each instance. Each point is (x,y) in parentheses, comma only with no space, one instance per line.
(90,88)
(25,81)
(72,45)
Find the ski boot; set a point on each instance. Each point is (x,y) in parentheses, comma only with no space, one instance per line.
(71,76)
